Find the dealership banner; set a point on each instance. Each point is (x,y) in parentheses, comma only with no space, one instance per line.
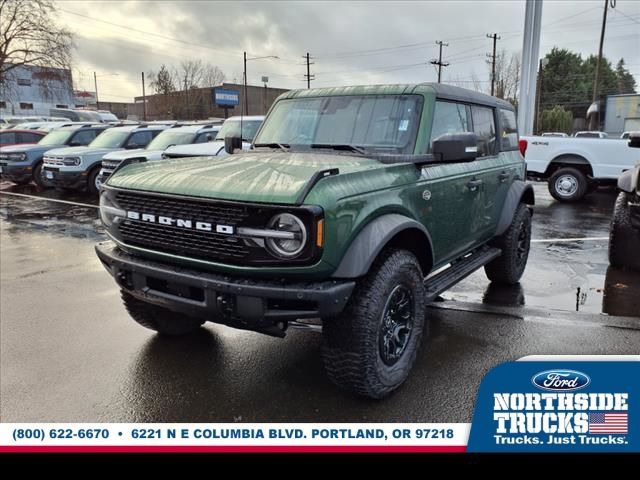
(234,437)
(536,405)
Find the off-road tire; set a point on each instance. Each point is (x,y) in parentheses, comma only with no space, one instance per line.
(514,243)
(38,177)
(91,180)
(159,319)
(624,240)
(353,342)
(574,175)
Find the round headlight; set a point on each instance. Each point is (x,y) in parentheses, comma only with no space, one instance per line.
(72,161)
(109,213)
(291,245)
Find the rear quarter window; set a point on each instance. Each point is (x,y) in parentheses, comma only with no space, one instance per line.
(484,127)
(508,130)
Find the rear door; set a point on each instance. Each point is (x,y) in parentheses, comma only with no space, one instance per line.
(488,171)
(451,193)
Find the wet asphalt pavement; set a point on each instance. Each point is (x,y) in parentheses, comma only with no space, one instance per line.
(70,353)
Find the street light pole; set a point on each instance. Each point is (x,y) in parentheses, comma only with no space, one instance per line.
(244,78)
(95,84)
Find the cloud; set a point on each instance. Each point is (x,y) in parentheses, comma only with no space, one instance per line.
(352,42)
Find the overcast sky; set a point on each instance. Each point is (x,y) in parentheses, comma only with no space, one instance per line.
(351,42)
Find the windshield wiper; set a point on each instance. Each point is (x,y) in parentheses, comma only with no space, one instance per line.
(282,146)
(340,146)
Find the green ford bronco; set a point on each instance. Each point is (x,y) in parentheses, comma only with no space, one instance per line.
(356,205)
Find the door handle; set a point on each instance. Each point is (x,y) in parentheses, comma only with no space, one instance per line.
(474,184)
(503,177)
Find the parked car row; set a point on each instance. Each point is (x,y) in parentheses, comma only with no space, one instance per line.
(81,156)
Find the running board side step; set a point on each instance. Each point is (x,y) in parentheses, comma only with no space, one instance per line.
(462,268)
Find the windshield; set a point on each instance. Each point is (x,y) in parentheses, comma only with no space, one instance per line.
(166,138)
(374,122)
(110,139)
(58,137)
(231,128)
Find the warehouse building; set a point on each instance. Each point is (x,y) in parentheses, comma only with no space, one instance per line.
(222,101)
(31,90)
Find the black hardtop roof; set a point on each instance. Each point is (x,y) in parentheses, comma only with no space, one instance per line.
(450,92)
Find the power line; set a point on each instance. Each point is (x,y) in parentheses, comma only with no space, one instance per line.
(439,62)
(172,39)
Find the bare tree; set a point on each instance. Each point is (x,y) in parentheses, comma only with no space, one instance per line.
(212,76)
(190,73)
(29,36)
(508,76)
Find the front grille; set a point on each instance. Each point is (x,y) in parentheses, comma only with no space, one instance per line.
(110,165)
(56,161)
(188,209)
(183,241)
(205,245)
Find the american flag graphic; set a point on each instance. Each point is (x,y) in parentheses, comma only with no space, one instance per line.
(614,422)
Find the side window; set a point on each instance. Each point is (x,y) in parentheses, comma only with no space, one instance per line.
(449,117)
(205,137)
(7,138)
(83,137)
(485,128)
(26,137)
(140,139)
(508,130)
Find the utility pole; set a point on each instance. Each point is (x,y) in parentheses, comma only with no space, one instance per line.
(186,96)
(308,76)
(439,62)
(95,84)
(594,119)
(495,37)
(244,79)
(144,101)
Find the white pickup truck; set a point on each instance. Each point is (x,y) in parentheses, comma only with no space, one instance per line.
(573,167)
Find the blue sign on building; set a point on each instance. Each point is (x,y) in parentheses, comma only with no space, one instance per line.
(226,97)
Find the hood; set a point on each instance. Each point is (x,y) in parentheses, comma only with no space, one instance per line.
(125,154)
(79,151)
(27,148)
(250,177)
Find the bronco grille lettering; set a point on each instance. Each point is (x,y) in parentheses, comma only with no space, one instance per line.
(181,223)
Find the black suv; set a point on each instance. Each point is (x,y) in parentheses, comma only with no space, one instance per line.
(22,163)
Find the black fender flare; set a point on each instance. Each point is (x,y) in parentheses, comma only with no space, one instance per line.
(368,244)
(629,179)
(519,192)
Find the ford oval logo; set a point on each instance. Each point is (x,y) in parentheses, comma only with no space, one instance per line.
(554,380)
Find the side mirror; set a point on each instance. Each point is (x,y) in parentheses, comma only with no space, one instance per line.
(634,140)
(456,147)
(132,146)
(76,144)
(231,144)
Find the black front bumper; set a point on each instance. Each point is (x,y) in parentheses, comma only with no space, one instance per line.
(56,178)
(240,302)
(14,173)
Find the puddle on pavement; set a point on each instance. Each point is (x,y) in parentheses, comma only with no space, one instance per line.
(615,293)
